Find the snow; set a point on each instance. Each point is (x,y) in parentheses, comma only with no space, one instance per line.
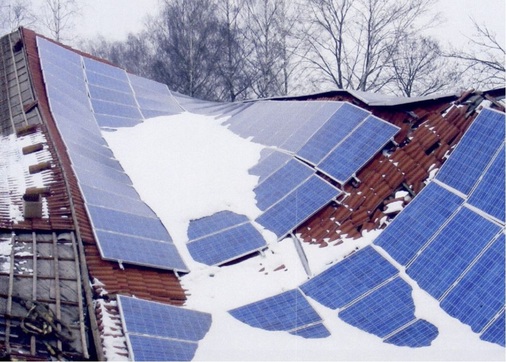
(189,166)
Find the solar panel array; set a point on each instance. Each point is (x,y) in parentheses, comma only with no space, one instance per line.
(367,289)
(121,220)
(451,237)
(161,332)
(224,236)
(288,311)
(337,138)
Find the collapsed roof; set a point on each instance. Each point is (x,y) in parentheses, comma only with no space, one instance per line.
(81,242)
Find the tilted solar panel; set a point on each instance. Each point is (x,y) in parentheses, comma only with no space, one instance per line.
(419,334)
(145,348)
(495,333)
(204,226)
(452,250)
(269,162)
(474,151)
(349,279)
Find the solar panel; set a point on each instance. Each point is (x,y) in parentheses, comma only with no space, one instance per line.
(416,224)
(115,109)
(211,224)
(384,310)
(140,251)
(226,245)
(474,151)
(489,195)
(118,84)
(280,183)
(334,131)
(357,149)
(287,311)
(269,162)
(349,279)
(478,297)
(298,206)
(495,333)
(157,331)
(313,331)
(104,69)
(448,255)
(112,96)
(144,348)
(143,317)
(106,120)
(419,334)
(320,113)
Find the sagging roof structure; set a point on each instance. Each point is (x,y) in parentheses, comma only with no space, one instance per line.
(72,267)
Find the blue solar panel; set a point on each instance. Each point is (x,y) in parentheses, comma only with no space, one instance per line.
(334,131)
(416,224)
(139,250)
(495,333)
(357,149)
(419,334)
(281,182)
(144,348)
(283,312)
(104,69)
(298,206)
(453,249)
(489,196)
(128,224)
(384,310)
(313,331)
(226,245)
(211,224)
(112,96)
(117,84)
(480,294)
(111,200)
(320,113)
(269,162)
(474,151)
(115,109)
(145,317)
(105,183)
(349,279)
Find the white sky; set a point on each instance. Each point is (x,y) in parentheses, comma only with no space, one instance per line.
(114,19)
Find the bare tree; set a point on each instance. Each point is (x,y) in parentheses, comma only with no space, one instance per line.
(483,58)
(185,38)
(352,42)
(58,16)
(419,68)
(14,14)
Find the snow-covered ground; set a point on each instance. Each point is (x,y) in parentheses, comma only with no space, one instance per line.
(189,166)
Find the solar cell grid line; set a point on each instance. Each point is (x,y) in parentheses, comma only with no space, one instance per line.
(143,317)
(384,310)
(357,149)
(474,151)
(298,206)
(226,245)
(283,312)
(495,332)
(418,222)
(478,296)
(125,248)
(211,224)
(318,114)
(280,183)
(489,194)
(331,133)
(349,279)
(451,251)
(269,162)
(419,334)
(144,348)
(317,330)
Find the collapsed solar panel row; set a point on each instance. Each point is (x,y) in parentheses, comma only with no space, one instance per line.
(337,138)
(451,237)
(161,332)
(224,236)
(121,220)
(367,289)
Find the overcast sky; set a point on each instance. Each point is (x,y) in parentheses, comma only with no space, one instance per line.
(114,19)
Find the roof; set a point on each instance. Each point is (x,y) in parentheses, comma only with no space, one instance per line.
(98,233)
